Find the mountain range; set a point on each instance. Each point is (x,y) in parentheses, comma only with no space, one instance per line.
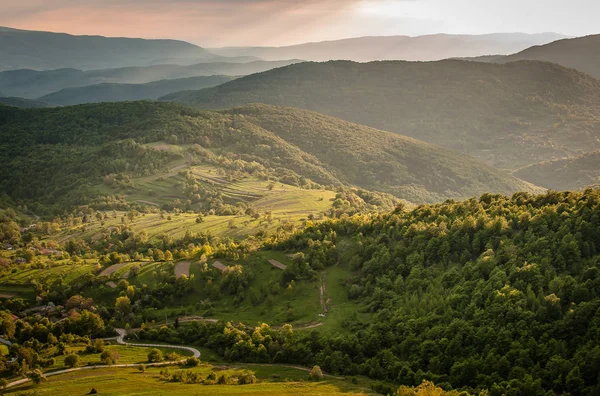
(507,115)
(420,48)
(26,49)
(582,53)
(32,84)
(108,92)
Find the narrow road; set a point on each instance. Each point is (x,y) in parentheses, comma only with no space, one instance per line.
(120,340)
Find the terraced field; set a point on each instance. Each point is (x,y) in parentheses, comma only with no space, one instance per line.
(65,270)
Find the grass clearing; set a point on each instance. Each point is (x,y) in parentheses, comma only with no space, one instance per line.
(274,380)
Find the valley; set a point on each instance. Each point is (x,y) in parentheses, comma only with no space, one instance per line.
(315,198)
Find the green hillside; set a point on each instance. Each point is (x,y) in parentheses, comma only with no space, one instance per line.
(53,158)
(125,92)
(493,295)
(566,174)
(506,115)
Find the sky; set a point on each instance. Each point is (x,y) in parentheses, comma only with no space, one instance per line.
(213,23)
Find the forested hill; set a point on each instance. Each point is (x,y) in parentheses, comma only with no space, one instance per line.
(494,293)
(27,49)
(122,92)
(52,156)
(581,53)
(507,115)
(565,174)
(33,84)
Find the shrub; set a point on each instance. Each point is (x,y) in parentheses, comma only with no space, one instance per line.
(192,361)
(224,380)
(109,357)
(172,356)
(248,378)
(155,355)
(315,374)
(72,360)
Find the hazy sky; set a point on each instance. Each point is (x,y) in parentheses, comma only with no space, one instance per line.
(281,22)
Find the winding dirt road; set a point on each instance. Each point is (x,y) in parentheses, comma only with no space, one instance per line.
(120,340)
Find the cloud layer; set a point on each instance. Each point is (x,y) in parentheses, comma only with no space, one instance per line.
(281,22)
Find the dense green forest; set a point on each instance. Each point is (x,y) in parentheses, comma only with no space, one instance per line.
(496,293)
(493,293)
(53,157)
(564,174)
(508,115)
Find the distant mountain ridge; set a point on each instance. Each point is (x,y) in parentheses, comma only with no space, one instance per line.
(37,50)
(124,92)
(32,84)
(23,103)
(419,48)
(508,115)
(582,53)
(564,174)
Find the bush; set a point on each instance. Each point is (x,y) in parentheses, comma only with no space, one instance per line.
(155,355)
(192,361)
(315,374)
(72,360)
(172,356)
(248,378)
(109,357)
(224,380)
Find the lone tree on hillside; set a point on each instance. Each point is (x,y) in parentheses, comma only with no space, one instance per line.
(110,357)
(72,360)
(155,355)
(36,376)
(315,374)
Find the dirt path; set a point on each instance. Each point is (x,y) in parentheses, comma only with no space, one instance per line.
(182,268)
(148,202)
(111,284)
(121,334)
(323,296)
(277,264)
(108,271)
(219,266)
(6,295)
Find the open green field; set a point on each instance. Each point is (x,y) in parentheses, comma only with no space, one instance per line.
(127,355)
(274,380)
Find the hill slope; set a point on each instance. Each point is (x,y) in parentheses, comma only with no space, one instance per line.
(33,84)
(25,49)
(565,174)
(506,115)
(122,92)
(23,103)
(421,48)
(582,53)
(53,156)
